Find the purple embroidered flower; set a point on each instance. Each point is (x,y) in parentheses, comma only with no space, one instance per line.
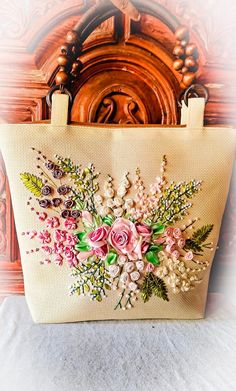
(63,190)
(46,190)
(69,203)
(75,214)
(56,202)
(44,203)
(65,213)
(49,165)
(57,173)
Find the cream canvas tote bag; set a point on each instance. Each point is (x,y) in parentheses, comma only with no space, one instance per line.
(117,222)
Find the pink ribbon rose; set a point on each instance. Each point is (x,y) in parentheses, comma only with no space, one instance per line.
(97,238)
(145,232)
(125,239)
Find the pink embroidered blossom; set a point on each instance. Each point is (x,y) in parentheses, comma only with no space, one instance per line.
(169,231)
(98,237)
(32,234)
(175,254)
(181,243)
(170,241)
(83,256)
(43,216)
(58,260)
(101,252)
(87,216)
(71,240)
(189,256)
(53,222)
(170,249)
(177,233)
(159,240)
(144,247)
(145,232)
(58,248)
(70,223)
(60,236)
(47,249)
(150,267)
(125,238)
(71,257)
(44,236)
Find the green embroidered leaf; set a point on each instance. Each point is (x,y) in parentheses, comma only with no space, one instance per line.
(192,245)
(159,288)
(97,220)
(198,238)
(79,204)
(153,285)
(146,288)
(86,288)
(152,258)
(108,220)
(201,235)
(111,257)
(81,236)
(33,183)
(82,247)
(155,248)
(158,228)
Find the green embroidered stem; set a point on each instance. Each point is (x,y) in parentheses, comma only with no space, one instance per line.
(173,201)
(119,304)
(48,178)
(92,279)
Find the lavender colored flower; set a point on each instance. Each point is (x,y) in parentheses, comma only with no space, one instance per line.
(45,203)
(49,165)
(65,213)
(57,173)
(63,190)
(69,203)
(46,190)
(75,214)
(56,202)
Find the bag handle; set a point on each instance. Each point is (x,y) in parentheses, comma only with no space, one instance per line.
(193,105)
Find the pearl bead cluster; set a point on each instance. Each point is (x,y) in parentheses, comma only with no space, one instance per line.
(126,276)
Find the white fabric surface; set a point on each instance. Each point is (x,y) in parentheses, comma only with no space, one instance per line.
(159,355)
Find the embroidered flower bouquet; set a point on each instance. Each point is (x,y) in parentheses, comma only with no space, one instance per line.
(112,241)
(119,219)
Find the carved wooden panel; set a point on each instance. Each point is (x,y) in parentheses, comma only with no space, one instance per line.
(127,76)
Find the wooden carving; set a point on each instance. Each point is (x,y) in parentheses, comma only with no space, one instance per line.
(127,7)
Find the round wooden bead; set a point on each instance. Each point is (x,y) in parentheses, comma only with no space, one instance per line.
(76,50)
(188,78)
(178,51)
(178,64)
(192,50)
(62,77)
(184,42)
(184,70)
(63,60)
(77,66)
(190,62)
(65,48)
(72,37)
(182,33)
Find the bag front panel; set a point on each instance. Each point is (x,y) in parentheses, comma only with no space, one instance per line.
(201,155)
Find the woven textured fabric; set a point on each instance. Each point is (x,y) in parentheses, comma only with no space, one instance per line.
(205,155)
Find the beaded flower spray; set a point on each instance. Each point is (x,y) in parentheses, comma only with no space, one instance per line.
(115,241)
